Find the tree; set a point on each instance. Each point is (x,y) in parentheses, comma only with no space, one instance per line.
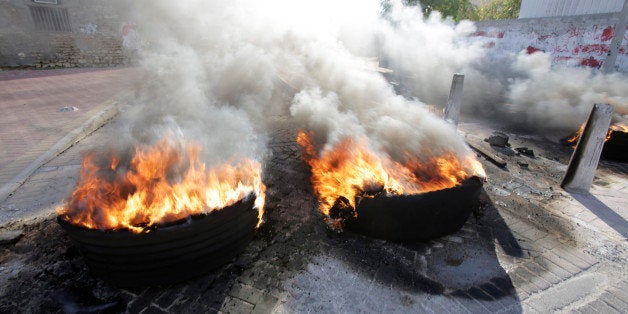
(457,9)
(463,9)
(498,10)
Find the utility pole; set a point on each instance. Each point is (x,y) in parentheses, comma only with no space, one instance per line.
(620,29)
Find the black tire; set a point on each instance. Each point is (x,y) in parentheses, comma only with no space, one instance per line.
(419,217)
(169,253)
(616,148)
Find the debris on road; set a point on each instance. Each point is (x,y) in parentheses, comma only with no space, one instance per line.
(10,237)
(68,109)
(525,151)
(498,139)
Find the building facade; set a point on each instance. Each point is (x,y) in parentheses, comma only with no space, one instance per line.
(65,33)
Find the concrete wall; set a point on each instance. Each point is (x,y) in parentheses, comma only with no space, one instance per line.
(95,37)
(546,8)
(575,40)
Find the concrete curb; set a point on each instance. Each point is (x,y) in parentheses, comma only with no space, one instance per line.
(88,127)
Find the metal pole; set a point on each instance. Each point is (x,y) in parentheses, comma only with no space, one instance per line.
(586,156)
(452,111)
(620,29)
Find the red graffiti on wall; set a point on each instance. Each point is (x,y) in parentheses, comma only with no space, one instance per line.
(607,33)
(490,34)
(598,49)
(591,62)
(530,50)
(578,46)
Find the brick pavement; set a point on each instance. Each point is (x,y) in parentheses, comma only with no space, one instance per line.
(522,254)
(31,122)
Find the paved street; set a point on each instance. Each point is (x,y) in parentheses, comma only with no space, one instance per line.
(534,248)
(40,107)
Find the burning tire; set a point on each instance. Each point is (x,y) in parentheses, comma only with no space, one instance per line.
(411,200)
(416,217)
(615,144)
(616,147)
(170,253)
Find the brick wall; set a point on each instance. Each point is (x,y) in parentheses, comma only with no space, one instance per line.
(92,35)
(574,40)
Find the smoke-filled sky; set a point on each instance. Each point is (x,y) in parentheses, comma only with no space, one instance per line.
(216,71)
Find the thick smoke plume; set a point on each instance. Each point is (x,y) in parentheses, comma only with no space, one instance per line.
(562,98)
(521,89)
(217,71)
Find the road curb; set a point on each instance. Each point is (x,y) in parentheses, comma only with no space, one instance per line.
(94,123)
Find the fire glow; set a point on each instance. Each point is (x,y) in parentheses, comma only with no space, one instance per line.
(352,170)
(618,127)
(162,183)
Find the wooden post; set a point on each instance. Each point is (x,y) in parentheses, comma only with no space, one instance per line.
(452,111)
(586,156)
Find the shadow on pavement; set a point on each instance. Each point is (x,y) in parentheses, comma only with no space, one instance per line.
(609,216)
(463,265)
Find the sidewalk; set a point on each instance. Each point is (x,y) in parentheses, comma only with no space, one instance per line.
(39,110)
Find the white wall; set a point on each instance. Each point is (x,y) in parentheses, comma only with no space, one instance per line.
(582,40)
(546,8)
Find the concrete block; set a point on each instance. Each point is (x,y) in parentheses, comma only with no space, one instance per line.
(614,301)
(537,270)
(586,156)
(620,293)
(562,262)
(566,293)
(553,268)
(452,110)
(580,259)
(538,282)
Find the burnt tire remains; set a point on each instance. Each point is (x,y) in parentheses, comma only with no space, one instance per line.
(616,148)
(170,253)
(417,217)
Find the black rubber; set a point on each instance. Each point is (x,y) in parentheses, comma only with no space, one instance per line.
(170,253)
(418,217)
(616,148)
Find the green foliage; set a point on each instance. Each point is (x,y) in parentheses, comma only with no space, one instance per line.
(463,9)
(457,9)
(498,10)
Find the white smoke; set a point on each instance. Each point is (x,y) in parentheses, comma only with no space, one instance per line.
(523,90)
(218,70)
(562,97)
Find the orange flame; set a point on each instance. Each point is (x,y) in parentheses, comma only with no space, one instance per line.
(163,183)
(351,168)
(574,139)
(619,127)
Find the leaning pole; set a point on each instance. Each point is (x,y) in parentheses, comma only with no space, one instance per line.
(586,156)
